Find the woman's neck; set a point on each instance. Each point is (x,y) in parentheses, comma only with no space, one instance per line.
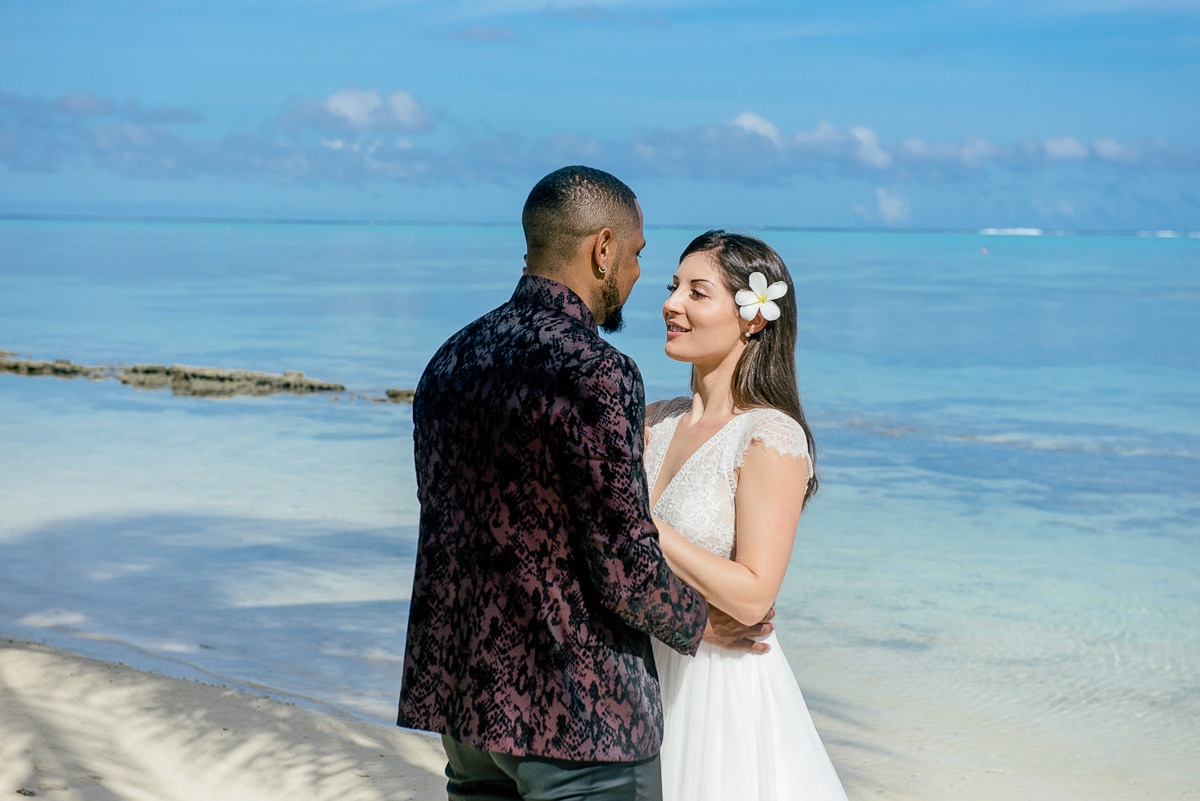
(712,393)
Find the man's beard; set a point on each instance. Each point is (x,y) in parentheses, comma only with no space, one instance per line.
(610,301)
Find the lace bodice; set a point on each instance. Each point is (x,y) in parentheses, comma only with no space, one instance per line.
(698,502)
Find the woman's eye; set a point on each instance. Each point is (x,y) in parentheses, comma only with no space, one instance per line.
(692,293)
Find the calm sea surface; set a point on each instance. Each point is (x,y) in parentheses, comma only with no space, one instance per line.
(996,589)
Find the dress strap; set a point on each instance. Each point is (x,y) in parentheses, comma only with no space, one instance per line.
(776,431)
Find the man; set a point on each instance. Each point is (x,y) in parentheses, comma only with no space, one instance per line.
(539,578)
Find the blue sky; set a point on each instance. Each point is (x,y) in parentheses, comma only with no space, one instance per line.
(1058,114)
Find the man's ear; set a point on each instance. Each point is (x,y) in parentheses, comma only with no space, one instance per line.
(604,248)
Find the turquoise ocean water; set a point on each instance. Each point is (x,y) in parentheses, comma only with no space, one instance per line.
(996,591)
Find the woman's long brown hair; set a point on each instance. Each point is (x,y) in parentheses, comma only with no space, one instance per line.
(765,375)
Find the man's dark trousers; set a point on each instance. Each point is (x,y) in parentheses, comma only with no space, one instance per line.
(475,775)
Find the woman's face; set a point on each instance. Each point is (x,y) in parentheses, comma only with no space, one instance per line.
(703,324)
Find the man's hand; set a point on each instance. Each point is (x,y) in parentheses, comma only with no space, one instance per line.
(725,632)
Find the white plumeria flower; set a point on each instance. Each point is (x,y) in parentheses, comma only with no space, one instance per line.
(760,298)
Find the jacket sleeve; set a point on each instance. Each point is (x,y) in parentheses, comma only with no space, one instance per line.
(609,503)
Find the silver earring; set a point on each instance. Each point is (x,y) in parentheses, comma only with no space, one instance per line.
(603,269)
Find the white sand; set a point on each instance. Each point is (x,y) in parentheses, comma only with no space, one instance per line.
(77,729)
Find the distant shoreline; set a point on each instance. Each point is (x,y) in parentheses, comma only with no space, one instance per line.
(1004,230)
(190,381)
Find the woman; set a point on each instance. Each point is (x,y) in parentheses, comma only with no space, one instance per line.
(729,471)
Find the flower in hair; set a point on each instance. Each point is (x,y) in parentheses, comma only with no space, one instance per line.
(760,298)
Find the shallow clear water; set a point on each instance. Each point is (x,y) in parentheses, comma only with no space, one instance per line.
(999,571)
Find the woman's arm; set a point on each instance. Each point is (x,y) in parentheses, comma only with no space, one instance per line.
(769,499)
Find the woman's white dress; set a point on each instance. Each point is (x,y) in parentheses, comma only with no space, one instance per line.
(737,727)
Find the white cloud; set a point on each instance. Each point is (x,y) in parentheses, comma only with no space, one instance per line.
(824,137)
(354,106)
(869,151)
(972,152)
(892,207)
(362,135)
(407,111)
(358,110)
(1066,148)
(1112,150)
(85,104)
(365,109)
(752,123)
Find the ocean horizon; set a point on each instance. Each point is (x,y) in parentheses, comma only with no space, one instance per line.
(996,582)
(1162,233)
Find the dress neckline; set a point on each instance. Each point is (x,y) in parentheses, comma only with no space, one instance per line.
(674,421)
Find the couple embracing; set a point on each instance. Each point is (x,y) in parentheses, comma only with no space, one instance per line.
(592,573)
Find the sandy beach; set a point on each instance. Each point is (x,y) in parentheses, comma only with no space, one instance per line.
(78,729)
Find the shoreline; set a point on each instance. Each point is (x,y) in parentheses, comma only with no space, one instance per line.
(192,381)
(83,729)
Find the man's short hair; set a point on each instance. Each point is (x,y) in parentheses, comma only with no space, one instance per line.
(573,202)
